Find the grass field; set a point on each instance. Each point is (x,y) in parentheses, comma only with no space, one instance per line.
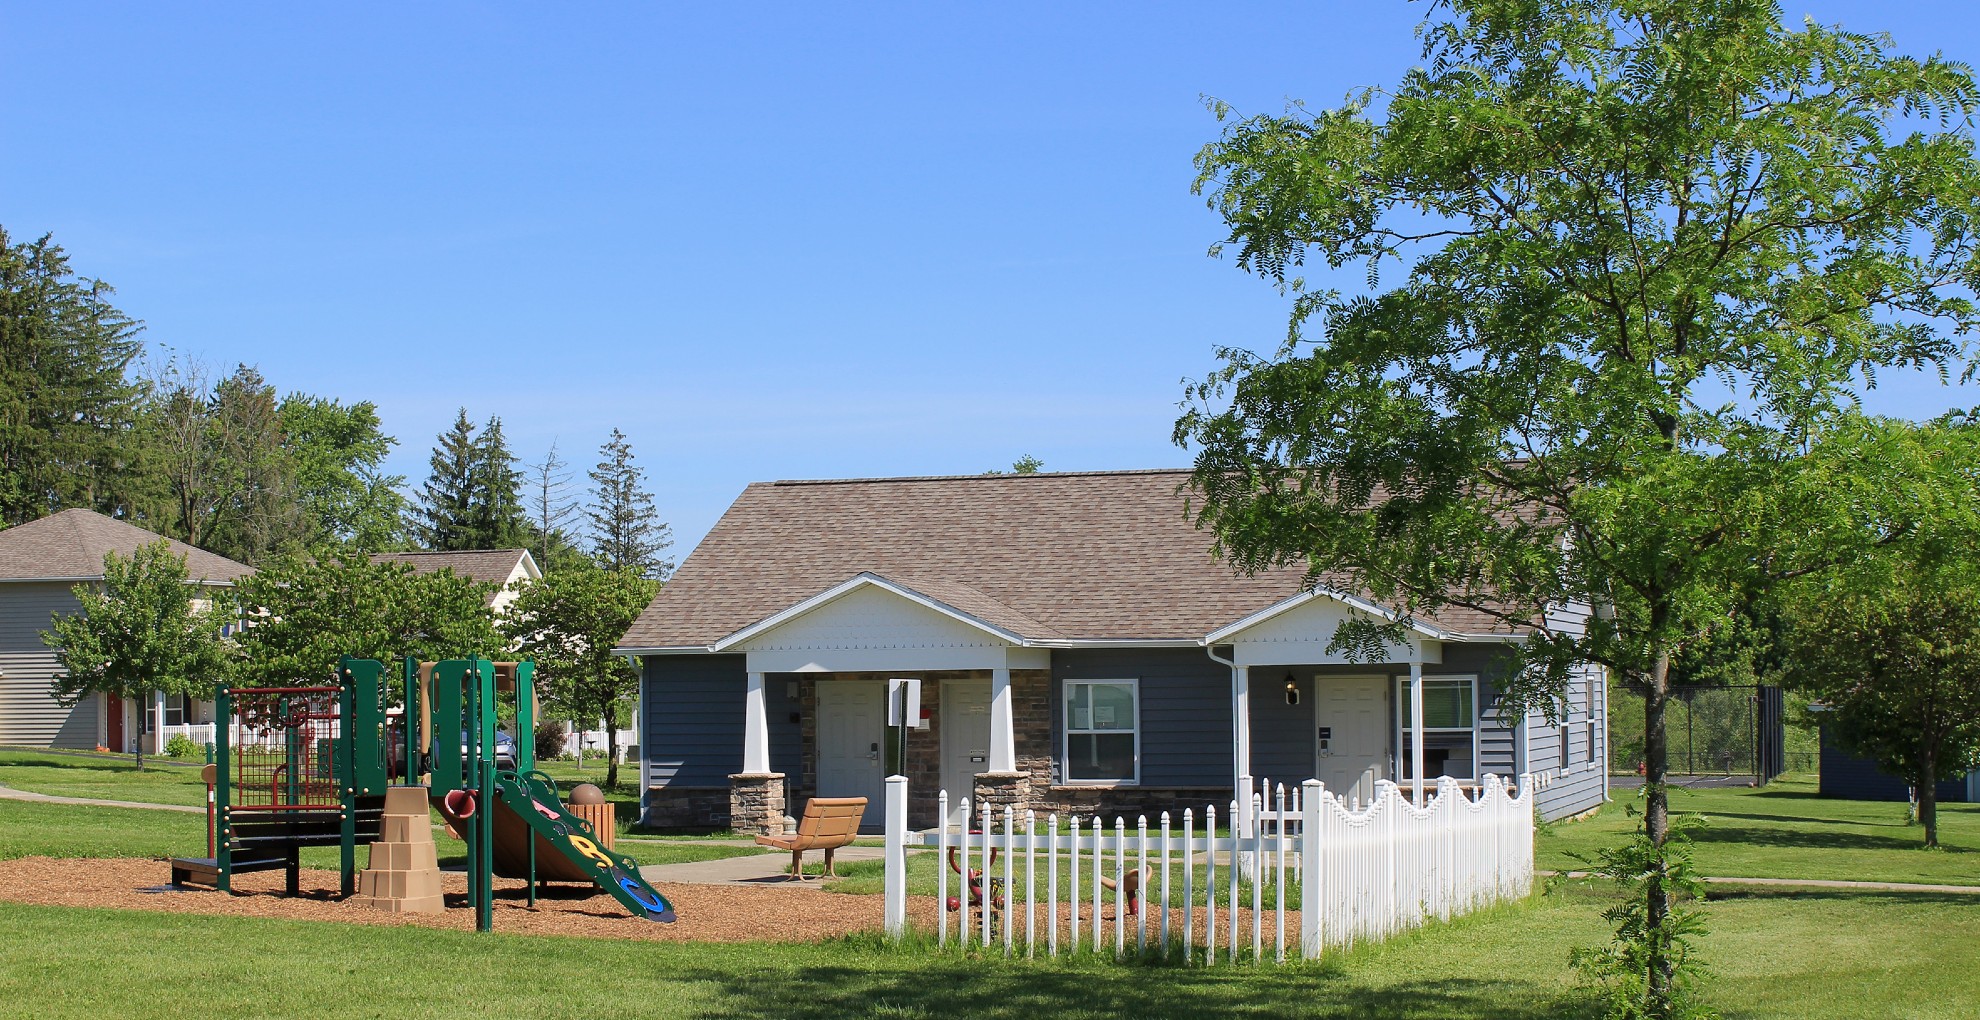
(101,778)
(1773,956)
(1783,830)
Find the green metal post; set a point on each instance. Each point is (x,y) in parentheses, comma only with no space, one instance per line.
(484,818)
(223,732)
(344,768)
(526,746)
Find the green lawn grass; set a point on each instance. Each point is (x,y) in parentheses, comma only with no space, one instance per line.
(1783,830)
(101,778)
(1818,957)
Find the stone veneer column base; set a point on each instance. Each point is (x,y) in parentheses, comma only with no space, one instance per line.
(756,803)
(1000,790)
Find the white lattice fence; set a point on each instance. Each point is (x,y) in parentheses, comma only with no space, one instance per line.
(1301,872)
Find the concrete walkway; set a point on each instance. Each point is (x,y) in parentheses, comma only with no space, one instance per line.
(771,869)
(1816,883)
(9,793)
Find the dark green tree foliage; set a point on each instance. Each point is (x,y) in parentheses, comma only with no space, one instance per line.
(143,633)
(627,533)
(568,623)
(1648,255)
(446,505)
(472,499)
(498,518)
(337,452)
(306,613)
(67,408)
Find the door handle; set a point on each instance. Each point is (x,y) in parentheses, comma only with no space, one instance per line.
(873,752)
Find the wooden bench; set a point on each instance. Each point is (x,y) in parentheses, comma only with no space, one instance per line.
(828,824)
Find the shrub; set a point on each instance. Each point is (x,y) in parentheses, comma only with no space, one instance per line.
(550,737)
(182,746)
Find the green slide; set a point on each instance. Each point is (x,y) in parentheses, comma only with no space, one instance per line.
(532,797)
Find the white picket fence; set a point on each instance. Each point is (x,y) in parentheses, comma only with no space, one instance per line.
(1335,872)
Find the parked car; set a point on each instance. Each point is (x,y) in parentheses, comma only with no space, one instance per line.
(505,750)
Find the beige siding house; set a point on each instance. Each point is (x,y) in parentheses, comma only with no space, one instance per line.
(41,563)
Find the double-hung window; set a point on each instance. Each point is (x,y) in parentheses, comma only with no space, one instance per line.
(1450,728)
(1103,732)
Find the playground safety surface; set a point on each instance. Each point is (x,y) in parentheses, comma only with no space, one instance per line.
(708,913)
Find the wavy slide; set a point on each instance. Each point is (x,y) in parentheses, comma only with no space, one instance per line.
(530,809)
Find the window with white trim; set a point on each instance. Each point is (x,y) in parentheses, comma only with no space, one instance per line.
(1450,728)
(1102,732)
(1591,675)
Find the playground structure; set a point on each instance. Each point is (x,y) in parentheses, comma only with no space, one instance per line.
(311,766)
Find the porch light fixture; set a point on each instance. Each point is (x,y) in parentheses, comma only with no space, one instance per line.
(1292,690)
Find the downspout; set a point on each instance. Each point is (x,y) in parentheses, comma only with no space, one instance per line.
(1240,762)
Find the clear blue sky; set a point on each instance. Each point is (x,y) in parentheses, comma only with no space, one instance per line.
(767,242)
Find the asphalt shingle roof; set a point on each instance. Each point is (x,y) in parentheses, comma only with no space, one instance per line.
(492,566)
(1084,556)
(70,545)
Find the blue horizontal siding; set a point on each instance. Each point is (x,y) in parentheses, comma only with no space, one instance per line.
(1847,776)
(693,729)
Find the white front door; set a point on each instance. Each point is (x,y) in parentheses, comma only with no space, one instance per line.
(965,739)
(852,719)
(1351,734)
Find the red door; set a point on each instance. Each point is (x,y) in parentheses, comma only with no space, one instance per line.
(115,706)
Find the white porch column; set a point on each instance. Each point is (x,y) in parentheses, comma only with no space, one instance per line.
(1240,725)
(1416,731)
(1003,726)
(756,728)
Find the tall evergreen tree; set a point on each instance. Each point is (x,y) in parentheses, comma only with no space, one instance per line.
(627,533)
(497,519)
(446,501)
(67,407)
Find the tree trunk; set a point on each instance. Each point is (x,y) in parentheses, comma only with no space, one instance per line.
(611,750)
(1928,800)
(1656,825)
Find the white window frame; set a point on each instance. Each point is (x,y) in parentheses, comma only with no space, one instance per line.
(1067,732)
(1403,727)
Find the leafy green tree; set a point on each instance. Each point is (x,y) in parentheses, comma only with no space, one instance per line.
(1892,648)
(1025,465)
(336,453)
(627,533)
(67,404)
(147,631)
(305,614)
(219,452)
(568,623)
(1648,255)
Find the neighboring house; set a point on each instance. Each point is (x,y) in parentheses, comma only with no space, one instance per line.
(1852,778)
(41,563)
(501,567)
(1080,649)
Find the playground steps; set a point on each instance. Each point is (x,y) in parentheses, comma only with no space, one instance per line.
(403,875)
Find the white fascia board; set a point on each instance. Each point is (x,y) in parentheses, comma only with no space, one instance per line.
(1224,634)
(1117,643)
(853,584)
(632,653)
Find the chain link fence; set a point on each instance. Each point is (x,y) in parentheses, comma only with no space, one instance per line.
(1713,731)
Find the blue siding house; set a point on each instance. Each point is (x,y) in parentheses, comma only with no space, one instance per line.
(1078,648)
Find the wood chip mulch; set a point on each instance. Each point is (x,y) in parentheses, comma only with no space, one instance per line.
(706,913)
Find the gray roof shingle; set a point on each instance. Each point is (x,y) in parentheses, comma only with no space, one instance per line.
(70,545)
(1080,556)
